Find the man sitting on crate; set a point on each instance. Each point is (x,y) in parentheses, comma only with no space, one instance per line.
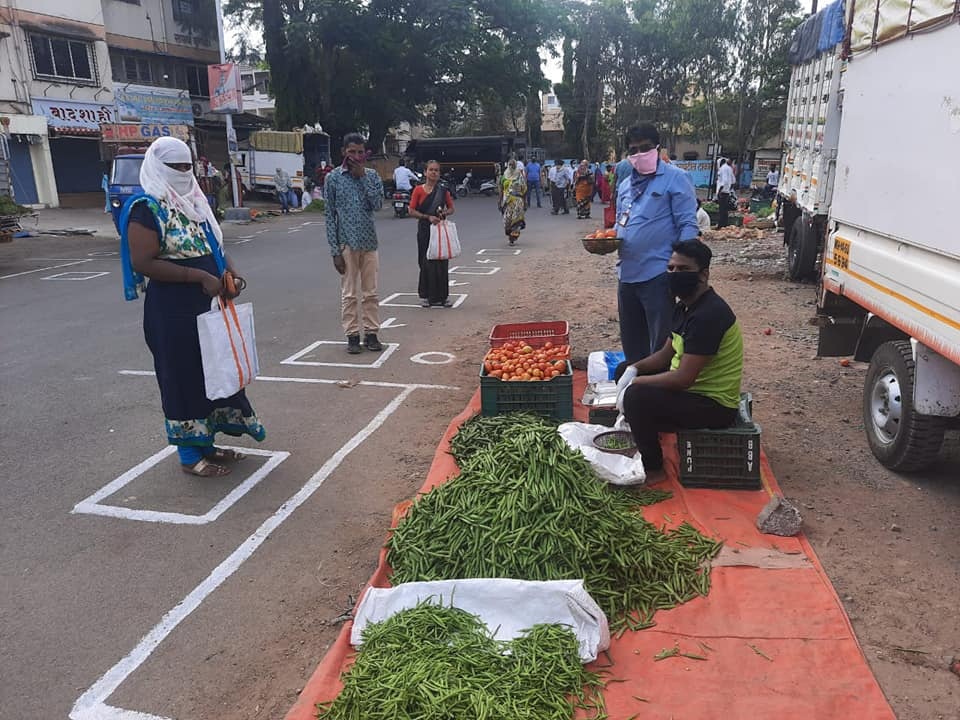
(693,381)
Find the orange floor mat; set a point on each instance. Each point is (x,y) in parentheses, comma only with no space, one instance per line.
(777,640)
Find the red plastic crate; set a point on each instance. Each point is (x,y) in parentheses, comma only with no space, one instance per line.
(536,334)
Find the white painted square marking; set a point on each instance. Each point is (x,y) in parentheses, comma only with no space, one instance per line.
(473,270)
(75,275)
(93,506)
(386,302)
(381,358)
(499,251)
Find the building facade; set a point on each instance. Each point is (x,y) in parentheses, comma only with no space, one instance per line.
(87,79)
(55,88)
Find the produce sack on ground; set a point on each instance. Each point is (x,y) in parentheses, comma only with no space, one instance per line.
(431,662)
(616,469)
(507,607)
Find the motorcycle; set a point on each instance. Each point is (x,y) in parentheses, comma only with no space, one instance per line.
(401,201)
(469,185)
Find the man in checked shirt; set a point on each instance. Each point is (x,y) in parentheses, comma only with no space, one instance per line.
(353,193)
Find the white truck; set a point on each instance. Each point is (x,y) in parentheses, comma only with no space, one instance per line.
(870,180)
(298,152)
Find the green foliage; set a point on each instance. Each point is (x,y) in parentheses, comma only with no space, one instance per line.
(9,208)
(368,64)
(317,205)
(696,68)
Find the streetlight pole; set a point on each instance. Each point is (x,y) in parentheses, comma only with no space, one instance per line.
(231,135)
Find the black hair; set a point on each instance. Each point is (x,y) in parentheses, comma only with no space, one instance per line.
(428,163)
(695,250)
(354,138)
(638,134)
(723,161)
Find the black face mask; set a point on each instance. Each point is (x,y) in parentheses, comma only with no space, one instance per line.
(684,283)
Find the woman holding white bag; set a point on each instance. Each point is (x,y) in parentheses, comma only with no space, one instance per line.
(171,236)
(431,203)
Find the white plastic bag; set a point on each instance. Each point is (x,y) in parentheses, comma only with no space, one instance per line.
(614,468)
(629,375)
(597,370)
(228,348)
(444,242)
(508,607)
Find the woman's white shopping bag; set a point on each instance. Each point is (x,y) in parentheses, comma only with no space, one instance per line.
(228,348)
(444,243)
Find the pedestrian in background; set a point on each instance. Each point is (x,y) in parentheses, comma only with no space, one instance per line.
(353,193)
(583,182)
(513,190)
(561,178)
(726,181)
(173,239)
(431,203)
(533,181)
(284,188)
(656,207)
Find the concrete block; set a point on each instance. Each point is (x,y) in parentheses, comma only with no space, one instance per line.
(240,214)
(779,517)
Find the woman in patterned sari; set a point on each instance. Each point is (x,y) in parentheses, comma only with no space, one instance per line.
(513,190)
(171,236)
(583,181)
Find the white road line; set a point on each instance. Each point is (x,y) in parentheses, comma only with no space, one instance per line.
(473,270)
(319,381)
(74,275)
(388,350)
(91,705)
(388,301)
(93,506)
(27,272)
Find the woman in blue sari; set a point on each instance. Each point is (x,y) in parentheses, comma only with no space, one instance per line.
(170,236)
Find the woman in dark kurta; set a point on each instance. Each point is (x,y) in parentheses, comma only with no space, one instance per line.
(172,238)
(429,204)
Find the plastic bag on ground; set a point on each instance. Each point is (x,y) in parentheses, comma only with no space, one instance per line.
(614,468)
(601,365)
(508,607)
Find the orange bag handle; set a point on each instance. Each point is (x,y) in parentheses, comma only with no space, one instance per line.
(444,230)
(228,305)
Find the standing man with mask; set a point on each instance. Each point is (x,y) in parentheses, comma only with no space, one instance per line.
(533,182)
(656,207)
(725,187)
(561,177)
(354,193)
(693,380)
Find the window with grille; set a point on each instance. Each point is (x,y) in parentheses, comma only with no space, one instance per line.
(61,58)
(194,79)
(184,9)
(137,69)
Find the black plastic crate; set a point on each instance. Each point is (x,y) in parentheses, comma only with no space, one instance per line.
(553,397)
(725,459)
(603,416)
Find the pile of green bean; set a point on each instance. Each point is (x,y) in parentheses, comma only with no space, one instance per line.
(527,506)
(436,663)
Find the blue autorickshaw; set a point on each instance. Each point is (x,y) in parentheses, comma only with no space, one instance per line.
(124,183)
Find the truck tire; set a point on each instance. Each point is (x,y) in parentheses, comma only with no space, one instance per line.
(801,250)
(901,438)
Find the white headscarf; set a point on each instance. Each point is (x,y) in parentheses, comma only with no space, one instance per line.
(178,189)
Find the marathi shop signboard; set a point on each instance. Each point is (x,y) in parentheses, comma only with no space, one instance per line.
(142,104)
(142,133)
(71,115)
(226,94)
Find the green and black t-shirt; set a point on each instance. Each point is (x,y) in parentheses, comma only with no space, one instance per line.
(710,328)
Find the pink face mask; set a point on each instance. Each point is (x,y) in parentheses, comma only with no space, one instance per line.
(645,163)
